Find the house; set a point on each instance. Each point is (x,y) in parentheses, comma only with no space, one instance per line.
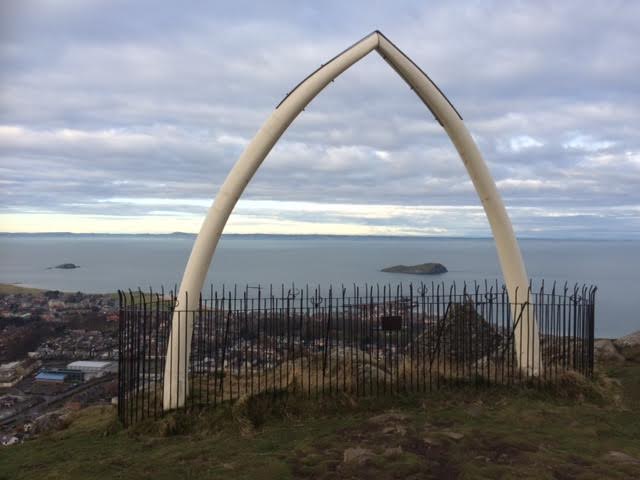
(9,440)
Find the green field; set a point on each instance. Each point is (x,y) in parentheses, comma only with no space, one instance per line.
(11,289)
(460,433)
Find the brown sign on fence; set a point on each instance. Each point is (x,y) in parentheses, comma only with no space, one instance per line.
(391,322)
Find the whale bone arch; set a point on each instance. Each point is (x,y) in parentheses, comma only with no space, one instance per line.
(525,335)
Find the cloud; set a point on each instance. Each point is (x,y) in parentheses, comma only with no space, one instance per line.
(96,105)
(523,142)
(587,143)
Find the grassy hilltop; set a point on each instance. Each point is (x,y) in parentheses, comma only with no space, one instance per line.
(581,430)
(11,289)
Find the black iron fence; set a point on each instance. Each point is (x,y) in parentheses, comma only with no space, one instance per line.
(376,340)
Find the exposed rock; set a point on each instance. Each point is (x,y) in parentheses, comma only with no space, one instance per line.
(357,455)
(395,430)
(361,368)
(482,458)
(453,435)
(476,409)
(338,355)
(368,376)
(392,423)
(431,442)
(561,350)
(422,269)
(629,346)
(464,335)
(392,452)
(50,422)
(621,457)
(606,352)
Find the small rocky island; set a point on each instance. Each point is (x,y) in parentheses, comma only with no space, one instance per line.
(422,269)
(65,266)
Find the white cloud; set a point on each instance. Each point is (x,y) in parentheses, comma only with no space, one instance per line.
(587,143)
(232,140)
(382,155)
(523,142)
(520,143)
(132,112)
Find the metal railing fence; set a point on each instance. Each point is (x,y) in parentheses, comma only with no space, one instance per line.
(374,340)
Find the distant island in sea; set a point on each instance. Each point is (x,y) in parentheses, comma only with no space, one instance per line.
(422,269)
(65,266)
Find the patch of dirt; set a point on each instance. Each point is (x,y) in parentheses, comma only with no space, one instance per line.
(565,472)
(496,450)
(621,457)
(437,458)
(389,446)
(579,461)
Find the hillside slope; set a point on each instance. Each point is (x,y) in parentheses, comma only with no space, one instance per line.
(580,431)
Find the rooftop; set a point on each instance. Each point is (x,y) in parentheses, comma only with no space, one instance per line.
(88,364)
(9,366)
(51,376)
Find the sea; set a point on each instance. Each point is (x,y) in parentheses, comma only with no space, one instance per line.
(111,262)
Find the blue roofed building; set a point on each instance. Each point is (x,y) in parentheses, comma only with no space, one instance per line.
(51,377)
(59,376)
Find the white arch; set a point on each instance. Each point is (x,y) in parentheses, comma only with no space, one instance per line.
(178,350)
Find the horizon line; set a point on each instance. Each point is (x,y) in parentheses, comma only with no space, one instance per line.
(337,235)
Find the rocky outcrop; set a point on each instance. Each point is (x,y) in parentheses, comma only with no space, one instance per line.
(422,269)
(358,456)
(50,422)
(463,335)
(619,350)
(606,352)
(359,368)
(629,346)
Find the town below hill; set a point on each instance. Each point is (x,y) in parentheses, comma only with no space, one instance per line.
(57,350)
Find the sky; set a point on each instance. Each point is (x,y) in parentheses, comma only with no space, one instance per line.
(125,117)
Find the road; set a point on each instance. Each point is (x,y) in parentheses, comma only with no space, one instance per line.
(46,404)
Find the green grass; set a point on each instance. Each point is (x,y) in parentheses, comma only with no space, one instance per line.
(559,434)
(10,289)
